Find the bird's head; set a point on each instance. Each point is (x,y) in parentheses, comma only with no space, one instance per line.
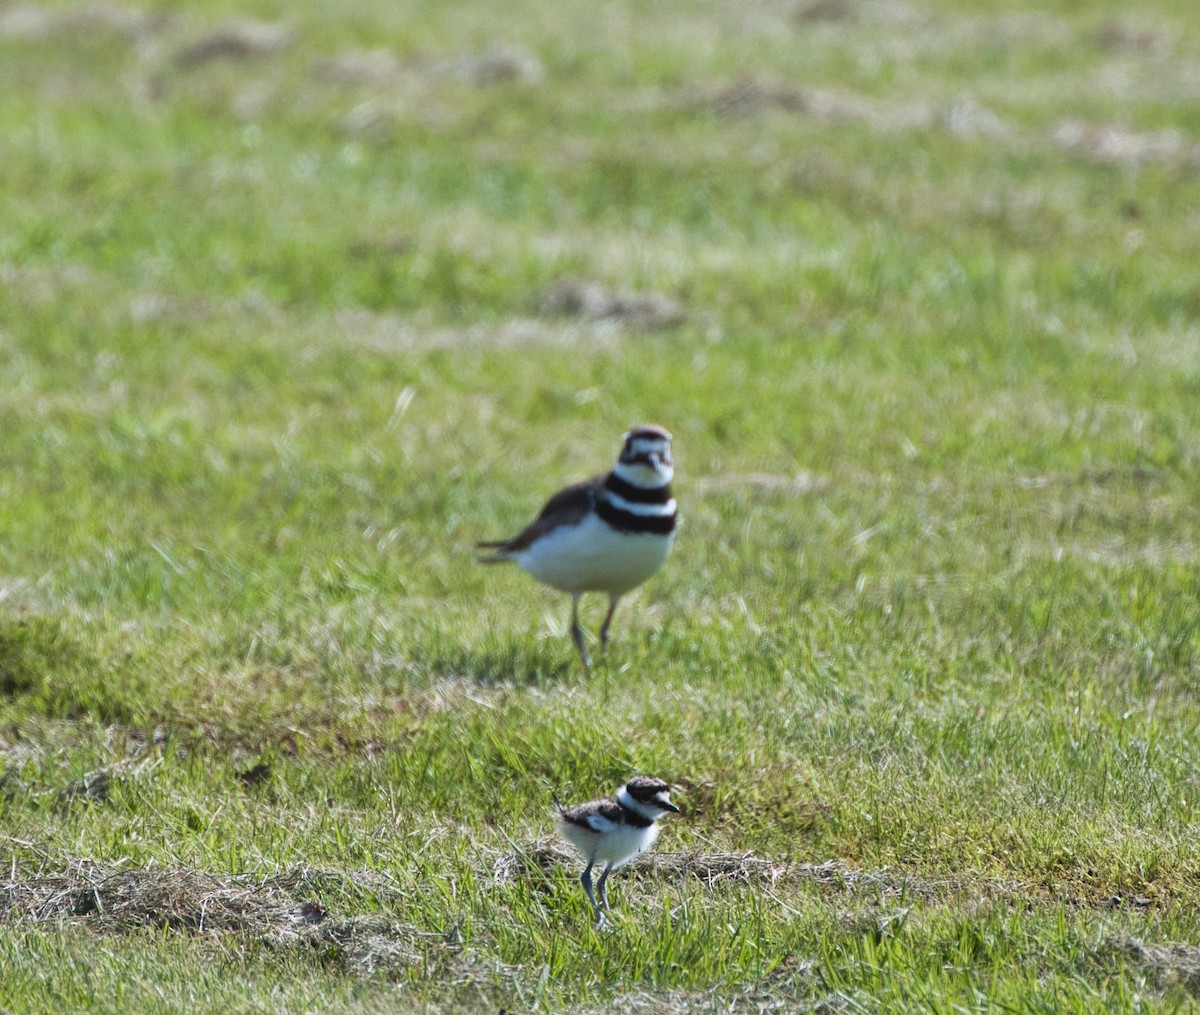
(645,458)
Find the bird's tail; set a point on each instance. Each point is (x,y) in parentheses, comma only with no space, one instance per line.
(499,545)
(557,806)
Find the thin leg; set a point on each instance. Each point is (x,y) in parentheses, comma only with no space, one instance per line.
(602,884)
(612,608)
(577,633)
(586,879)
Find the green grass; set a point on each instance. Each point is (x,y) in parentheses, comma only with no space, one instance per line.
(274,354)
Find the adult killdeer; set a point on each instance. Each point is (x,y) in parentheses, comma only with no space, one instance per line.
(615,830)
(606,534)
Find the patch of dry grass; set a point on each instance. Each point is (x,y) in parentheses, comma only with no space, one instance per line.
(283,911)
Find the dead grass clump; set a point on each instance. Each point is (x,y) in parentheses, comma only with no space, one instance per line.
(809,11)
(967,117)
(124,900)
(274,910)
(367,945)
(536,860)
(360,67)
(717,870)
(591,302)
(237,40)
(35,21)
(1113,144)
(760,998)
(1127,37)
(161,307)
(713,869)
(27,21)
(1169,965)
(373,118)
(92,786)
(495,67)
(754,95)
(46,285)
(720,869)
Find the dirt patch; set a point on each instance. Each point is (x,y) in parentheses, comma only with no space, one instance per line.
(593,303)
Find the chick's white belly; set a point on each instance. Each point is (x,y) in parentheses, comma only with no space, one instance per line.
(617,846)
(593,557)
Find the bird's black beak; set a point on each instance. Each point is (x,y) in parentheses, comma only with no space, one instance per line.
(667,805)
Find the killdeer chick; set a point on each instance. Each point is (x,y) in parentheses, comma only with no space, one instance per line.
(607,534)
(615,830)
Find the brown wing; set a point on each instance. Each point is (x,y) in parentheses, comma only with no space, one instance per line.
(567,507)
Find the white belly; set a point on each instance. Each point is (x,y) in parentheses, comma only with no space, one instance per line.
(593,557)
(617,846)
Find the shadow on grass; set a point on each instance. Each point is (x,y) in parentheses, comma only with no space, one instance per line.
(494,662)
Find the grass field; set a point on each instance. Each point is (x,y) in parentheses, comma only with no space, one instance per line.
(297,301)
